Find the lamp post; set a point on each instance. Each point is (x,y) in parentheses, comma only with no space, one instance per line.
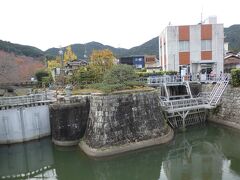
(61,59)
(61,56)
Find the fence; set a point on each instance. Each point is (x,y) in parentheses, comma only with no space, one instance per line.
(29,99)
(176,79)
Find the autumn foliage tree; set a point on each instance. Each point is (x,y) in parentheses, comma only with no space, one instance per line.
(54,63)
(100,62)
(104,59)
(69,55)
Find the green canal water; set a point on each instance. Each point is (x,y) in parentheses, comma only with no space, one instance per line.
(207,152)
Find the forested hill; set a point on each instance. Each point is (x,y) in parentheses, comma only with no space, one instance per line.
(18,49)
(150,47)
(80,49)
(232,35)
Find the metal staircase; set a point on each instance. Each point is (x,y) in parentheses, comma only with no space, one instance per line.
(189,111)
(217,91)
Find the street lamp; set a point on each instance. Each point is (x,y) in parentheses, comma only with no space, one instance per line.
(61,56)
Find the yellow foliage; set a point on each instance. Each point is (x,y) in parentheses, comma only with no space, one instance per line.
(69,55)
(102,58)
(53,64)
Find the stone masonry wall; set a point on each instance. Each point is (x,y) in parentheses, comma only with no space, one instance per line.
(119,119)
(69,119)
(228,112)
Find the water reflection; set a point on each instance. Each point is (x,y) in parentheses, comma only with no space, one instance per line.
(190,160)
(34,159)
(210,152)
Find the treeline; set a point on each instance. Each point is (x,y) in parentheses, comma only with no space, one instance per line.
(20,49)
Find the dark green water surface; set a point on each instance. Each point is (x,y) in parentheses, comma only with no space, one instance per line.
(207,152)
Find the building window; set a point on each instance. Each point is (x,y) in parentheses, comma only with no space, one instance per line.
(183,46)
(206,45)
(138,66)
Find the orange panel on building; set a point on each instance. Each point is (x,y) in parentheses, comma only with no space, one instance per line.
(184,58)
(150,59)
(183,33)
(206,55)
(206,32)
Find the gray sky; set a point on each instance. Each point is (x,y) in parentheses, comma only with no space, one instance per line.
(119,23)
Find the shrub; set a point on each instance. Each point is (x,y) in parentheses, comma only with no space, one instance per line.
(40,74)
(86,75)
(107,88)
(120,77)
(235,74)
(120,74)
(46,81)
(133,84)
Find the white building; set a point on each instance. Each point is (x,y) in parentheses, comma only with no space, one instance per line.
(193,48)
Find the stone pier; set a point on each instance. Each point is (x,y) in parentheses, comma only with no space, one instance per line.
(123,122)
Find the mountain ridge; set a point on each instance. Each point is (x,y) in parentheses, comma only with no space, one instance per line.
(232,35)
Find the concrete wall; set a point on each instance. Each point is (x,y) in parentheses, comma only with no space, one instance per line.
(123,119)
(228,112)
(69,120)
(24,123)
(217,46)
(195,47)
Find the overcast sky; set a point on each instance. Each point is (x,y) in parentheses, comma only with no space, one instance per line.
(119,23)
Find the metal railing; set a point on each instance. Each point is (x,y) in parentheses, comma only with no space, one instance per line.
(29,99)
(155,80)
(24,83)
(184,103)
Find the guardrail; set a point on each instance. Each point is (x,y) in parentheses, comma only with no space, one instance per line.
(184,103)
(29,99)
(25,83)
(152,80)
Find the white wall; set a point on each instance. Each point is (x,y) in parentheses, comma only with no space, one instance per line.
(195,48)
(195,43)
(173,48)
(162,37)
(23,124)
(218,46)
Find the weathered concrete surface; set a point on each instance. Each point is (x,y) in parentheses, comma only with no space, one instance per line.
(24,124)
(121,119)
(228,112)
(69,120)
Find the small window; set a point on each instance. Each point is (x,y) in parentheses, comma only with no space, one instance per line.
(183,46)
(206,45)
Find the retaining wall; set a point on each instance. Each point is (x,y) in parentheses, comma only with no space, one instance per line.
(69,120)
(24,124)
(123,122)
(228,111)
